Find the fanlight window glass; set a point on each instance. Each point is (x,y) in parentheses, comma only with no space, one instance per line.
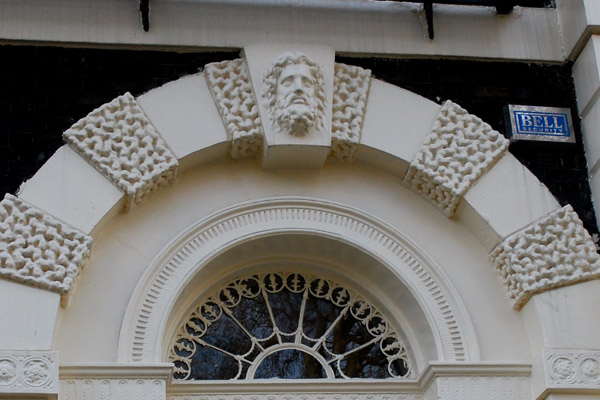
(287,326)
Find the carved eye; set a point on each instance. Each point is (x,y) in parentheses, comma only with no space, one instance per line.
(307,82)
(287,81)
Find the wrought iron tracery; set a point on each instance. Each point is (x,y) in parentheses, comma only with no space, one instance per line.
(287,325)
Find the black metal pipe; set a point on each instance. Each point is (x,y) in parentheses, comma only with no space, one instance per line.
(428,5)
(145,11)
(505,6)
(502,6)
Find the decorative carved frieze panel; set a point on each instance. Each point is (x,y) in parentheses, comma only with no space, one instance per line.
(459,149)
(233,94)
(483,387)
(350,90)
(37,249)
(572,369)
(28,373)
(113,389)
(554,251)
(120,142)
(114,381)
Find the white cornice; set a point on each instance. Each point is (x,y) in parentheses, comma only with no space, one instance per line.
(356,386)
(436,369)
(493,380)
(361,27)
(77,376)
(293,386)
(116,370)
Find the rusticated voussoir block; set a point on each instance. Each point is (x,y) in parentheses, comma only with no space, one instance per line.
(229,83)
(350,91)
(555,251)
(38,250)
(457,151)
(121,142)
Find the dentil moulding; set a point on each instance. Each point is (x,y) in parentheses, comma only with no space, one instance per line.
(229,84)
(572,369)
(459,149)
(30,373)
(552,252)
(37,249)
(119,141)
(350,90)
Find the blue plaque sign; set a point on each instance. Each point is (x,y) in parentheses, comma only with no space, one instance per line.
(547,124)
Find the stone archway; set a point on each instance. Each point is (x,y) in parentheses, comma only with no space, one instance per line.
(129,148)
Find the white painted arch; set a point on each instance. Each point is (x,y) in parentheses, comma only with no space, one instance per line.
(395,126)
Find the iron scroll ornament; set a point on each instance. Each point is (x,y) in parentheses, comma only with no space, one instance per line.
(287,325)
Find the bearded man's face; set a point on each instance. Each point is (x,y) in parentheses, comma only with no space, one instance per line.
(296,101)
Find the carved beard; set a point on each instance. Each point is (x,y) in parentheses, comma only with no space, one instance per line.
(296,119)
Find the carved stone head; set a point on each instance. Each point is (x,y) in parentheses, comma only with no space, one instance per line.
(294,94)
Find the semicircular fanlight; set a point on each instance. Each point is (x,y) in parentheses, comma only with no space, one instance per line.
(286,325)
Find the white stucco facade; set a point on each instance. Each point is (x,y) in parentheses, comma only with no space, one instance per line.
(174,193)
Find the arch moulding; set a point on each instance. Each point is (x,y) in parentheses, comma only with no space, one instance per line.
(129,148)
(152,302)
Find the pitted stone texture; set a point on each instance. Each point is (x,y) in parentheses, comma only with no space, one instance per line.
(455,154)
(38,250)
(350,91)
(233,94)
(120,142)
(555,251)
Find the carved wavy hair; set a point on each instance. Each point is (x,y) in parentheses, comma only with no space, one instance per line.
(271,79)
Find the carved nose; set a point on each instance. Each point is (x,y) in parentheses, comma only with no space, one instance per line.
(298,86)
